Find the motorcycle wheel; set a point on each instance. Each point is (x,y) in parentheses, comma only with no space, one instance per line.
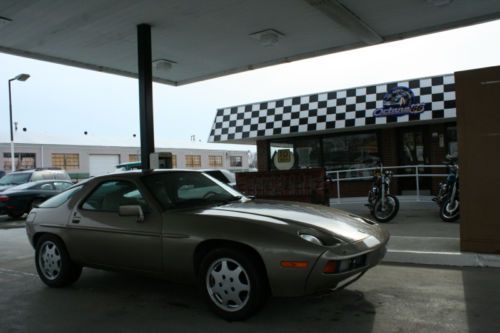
(390,211)
(447,214)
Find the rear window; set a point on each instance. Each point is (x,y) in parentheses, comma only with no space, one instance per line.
(15,178)
(46,174)
(61,198)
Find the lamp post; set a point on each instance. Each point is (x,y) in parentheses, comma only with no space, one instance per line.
(20,77)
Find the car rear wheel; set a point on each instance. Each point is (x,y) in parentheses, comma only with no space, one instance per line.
(53,263)
(15,214)
(233,283)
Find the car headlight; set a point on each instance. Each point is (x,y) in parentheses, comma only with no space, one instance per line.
(311,238)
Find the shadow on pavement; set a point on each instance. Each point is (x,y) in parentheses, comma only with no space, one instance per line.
(129,303)
(482,301)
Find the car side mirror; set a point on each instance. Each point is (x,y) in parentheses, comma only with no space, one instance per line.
(132,210)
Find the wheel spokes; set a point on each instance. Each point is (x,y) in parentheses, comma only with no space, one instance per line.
(228,284)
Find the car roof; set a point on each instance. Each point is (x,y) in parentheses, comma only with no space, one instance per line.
(39,170)
(138,173)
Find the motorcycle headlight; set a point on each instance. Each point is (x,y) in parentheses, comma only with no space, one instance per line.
(311,238)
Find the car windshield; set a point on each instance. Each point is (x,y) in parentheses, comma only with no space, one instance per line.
(15,178)
(184,189)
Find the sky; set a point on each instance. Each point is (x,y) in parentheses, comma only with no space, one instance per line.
(59,103)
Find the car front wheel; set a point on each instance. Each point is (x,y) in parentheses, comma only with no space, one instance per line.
(233,283)
(53,263)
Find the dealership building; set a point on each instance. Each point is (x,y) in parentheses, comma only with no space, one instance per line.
(403,123)
(83,161)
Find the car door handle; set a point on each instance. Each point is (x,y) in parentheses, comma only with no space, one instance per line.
(76,218)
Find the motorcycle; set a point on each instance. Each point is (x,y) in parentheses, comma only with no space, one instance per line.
(383,205)
(448,195)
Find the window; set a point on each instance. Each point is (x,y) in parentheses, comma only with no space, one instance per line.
(22,160)
(181,189)
(15,178)
(174,161)
(297,153)
(193,161)
(235,161)
(134,158)
(62,185)
(46,187)
(215,161)
(282,155)
(354,151)
(110,195)
(61,198)
(66,161)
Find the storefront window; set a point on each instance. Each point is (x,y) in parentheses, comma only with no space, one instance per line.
(308,153)
(355,151)
(300,153)
(282,155)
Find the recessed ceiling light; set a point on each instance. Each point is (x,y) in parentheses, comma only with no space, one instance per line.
(163,64)
(267,37)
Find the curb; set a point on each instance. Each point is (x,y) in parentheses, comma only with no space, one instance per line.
(456,259)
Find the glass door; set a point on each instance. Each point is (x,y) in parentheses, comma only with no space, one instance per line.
(413,149)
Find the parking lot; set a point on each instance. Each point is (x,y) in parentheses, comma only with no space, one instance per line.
(389,298)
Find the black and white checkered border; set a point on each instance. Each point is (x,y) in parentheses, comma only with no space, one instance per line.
(332,110)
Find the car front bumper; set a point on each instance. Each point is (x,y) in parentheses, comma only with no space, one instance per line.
(348,267)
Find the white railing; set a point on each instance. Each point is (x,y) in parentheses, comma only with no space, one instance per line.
(335,175)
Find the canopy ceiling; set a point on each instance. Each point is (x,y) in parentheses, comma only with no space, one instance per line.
(206,39)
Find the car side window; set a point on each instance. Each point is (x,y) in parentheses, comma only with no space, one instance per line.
(110,195)
(47,187)
(59,186)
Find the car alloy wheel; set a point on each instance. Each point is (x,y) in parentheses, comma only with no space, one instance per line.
(228,284)
(53,262)
(234,282)
(50,260)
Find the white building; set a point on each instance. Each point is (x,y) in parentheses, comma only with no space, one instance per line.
(86,161)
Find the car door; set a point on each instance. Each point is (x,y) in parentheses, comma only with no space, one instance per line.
(100,236)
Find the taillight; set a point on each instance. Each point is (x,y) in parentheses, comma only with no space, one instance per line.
(4,198)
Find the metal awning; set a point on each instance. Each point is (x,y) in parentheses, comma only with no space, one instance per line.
(194,40)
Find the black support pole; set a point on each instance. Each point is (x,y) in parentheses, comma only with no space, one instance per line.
(145,93)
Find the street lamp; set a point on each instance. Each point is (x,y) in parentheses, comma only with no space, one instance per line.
(20,77)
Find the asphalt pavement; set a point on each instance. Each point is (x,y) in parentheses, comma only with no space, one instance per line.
(388,298)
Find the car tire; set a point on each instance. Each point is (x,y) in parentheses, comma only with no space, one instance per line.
(233,283)
(53,263)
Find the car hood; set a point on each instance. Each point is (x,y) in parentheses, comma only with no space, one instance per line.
(347,226)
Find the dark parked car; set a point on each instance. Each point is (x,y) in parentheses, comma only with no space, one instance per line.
(18,200)
(31,175)
(188,227)
(2,173)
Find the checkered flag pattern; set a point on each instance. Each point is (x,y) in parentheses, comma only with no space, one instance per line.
(327,111)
